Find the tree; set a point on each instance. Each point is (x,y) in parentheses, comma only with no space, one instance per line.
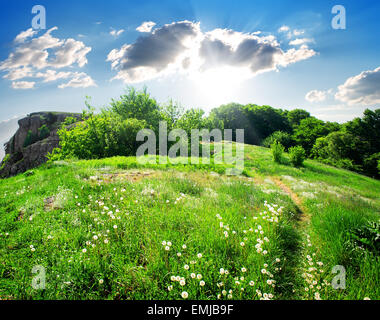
(282,137)
(310,129)
(264,120)
(296,116)
(137,105)
(231,116)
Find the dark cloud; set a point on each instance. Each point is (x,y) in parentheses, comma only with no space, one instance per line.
(152,54)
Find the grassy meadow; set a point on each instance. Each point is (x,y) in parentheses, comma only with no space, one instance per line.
(114,229)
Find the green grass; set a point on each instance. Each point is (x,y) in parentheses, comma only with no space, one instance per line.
(101,228)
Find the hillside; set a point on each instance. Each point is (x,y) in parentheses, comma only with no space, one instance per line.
(113,229)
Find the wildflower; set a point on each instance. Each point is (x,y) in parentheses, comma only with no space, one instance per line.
(199,276)
(243,270)
(101,281)
(242,244)
(193,275)
(202,283)
(221,271)
(367,298)
(224,292)
(182,282)
(115,226)
(167,248)
(84,250)
(95,237)
(185,295)
(105,241)
(173,278)
(229,296)
(184,246)
(251,283)
(169,244)
(265,265)
(199,255)
(186,267)
(33,249)
(179,254)
(163,243)
(170,288)
(278,260)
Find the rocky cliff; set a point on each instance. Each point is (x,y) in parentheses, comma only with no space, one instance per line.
(34,139)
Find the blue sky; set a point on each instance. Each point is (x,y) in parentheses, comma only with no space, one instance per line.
(306,64)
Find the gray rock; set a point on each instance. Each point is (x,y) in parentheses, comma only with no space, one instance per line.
(20,158)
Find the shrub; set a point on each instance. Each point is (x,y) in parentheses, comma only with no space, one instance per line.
(282,137)
(297,156)
(277,151)
(30,139)
(43,132)
(98,136)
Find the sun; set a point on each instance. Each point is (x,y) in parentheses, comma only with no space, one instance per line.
(219,85)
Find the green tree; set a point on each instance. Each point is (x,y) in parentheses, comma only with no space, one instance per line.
(284,138)
(310,129)
(138,105)
(296,116)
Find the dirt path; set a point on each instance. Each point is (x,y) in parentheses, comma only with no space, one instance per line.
(304,216)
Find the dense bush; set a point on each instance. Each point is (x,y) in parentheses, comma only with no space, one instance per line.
(277,151)
(283,137)
(297,156)
(98,136)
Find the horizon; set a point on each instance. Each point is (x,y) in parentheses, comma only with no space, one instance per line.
(206,55)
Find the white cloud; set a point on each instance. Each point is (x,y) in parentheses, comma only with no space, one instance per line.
(32,54)
(284,29)
(19,73)
(182,46)
(23,84)
(316,96)
(146,26)
(52,75)
(80,80)
(116,33)
(363,88)
(298,32)
(21,37)
(300,41)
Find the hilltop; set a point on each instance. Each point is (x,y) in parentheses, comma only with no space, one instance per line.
(114,229)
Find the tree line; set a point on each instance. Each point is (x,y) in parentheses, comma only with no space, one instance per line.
(354,145)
